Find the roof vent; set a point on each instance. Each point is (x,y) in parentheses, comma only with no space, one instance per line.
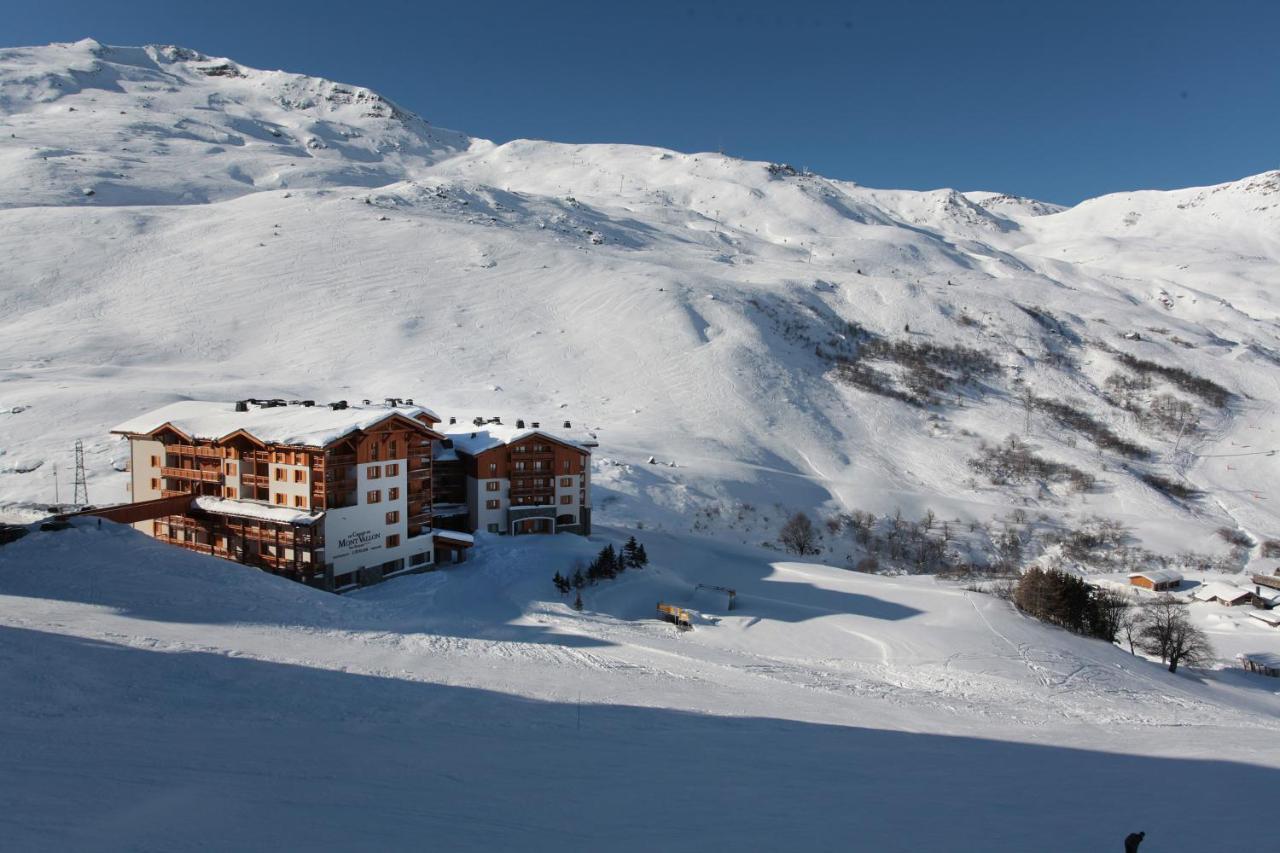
(392,401)
(473,435)
(408,401)
(308,403)
(568,425)
(519,423)
(452,420)
(366,402)
(341,404)
(477,421)
(242,405)
(535,425)
(495,420)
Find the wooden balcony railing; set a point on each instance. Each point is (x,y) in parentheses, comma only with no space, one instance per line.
(192,474)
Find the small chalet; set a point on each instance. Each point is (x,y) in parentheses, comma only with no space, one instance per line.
(1157,580)
(1263,663)
(1267,617)
(1228,595)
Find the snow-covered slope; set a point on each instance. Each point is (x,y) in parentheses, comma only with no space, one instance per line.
(174,227)
(158,699)
(779,340)
(692,307)
(168,125)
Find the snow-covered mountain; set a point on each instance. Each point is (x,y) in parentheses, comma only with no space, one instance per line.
(177,225)
(746,340)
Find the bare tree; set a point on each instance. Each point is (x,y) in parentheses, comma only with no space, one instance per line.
(1131,623)
(798,535)
(1167,631)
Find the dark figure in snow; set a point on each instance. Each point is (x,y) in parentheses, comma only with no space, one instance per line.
(1132,840)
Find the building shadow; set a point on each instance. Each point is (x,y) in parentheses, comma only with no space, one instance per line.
(110,748)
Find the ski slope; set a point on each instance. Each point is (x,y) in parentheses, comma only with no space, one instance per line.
(165,700)
(177,226)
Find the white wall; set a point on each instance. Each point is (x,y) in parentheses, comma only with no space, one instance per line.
(364,526)
(478,495)
(142,472)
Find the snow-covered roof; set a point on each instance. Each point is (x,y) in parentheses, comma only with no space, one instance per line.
(1270,659)
(1271,617)
(1159,576)
(1219,589)
(480,439)
(310,426)
(253,509)
(454,536)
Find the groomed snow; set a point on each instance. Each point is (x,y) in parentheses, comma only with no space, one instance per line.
(473,705)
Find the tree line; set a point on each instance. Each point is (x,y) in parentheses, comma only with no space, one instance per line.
(606,565)
(1161,627)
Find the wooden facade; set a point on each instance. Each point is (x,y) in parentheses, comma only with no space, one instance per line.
(309,480)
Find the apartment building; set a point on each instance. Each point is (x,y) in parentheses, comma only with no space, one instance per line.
(520,480)
(331,495)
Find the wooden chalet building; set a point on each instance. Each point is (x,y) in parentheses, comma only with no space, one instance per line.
(1157,580)
(521,480)
(330,495)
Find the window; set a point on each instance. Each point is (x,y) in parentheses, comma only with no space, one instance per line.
(231,469)
(155,484)
(373,497)
(300,501)
(492,528)
(374,472)
(280,499)
(492,486)
(393,470)
(391,452)
(566,499)
(492,504)
(520,466)
(566,466)
(393,516)
(155,461)
(419,559)
(566,482)
(229,492)
(538,465)
(299,476)
(522,449)
(280,475)
(393,494)
(493,467)
(393,541)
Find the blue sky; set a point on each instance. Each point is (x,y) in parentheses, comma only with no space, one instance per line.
(1056,100)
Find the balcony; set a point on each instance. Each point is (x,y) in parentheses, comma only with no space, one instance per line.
(192,474)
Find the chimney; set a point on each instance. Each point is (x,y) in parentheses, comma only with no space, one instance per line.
(452,420)
(495,420)
(568,425)
(535,425)
(366,402)
(242,405)
(408,401)
(308,403)
(391,401)
(519,423)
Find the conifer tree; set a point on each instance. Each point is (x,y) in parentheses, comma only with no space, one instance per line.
(577,603)
(629,553)
(642,559)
